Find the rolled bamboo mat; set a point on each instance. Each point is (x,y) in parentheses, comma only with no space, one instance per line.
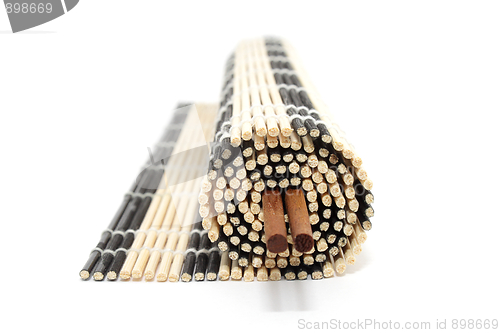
(263,186)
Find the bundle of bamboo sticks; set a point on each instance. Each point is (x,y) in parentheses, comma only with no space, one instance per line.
(285,194)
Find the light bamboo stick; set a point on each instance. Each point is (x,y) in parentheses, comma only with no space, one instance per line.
(154,217)
(285,127)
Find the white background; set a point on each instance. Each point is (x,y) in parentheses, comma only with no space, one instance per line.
(415,85)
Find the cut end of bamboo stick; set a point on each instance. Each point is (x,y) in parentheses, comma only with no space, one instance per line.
(367,184)
(249,274)
(235,142)
(334,251)
(308,260)
(348,153)
(275,274)
(367,225)
(362,237)
(328,271)
(247,135)
(162,277)
(84,274)
(286,130)
(173,277)
(236,273)
(338,146)
(340,265)
(302,131)
(282,262)
(136,274)
(111,276)
(270,263)
(349,257)
(369,198)
(149,275)
(262,274)
(98,276)
(125,275)
(357,161)
(262,131)
(348,230)
(314,133)
(186,277)
(273,131)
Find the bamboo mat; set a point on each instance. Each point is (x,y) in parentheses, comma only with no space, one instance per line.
(261,186)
